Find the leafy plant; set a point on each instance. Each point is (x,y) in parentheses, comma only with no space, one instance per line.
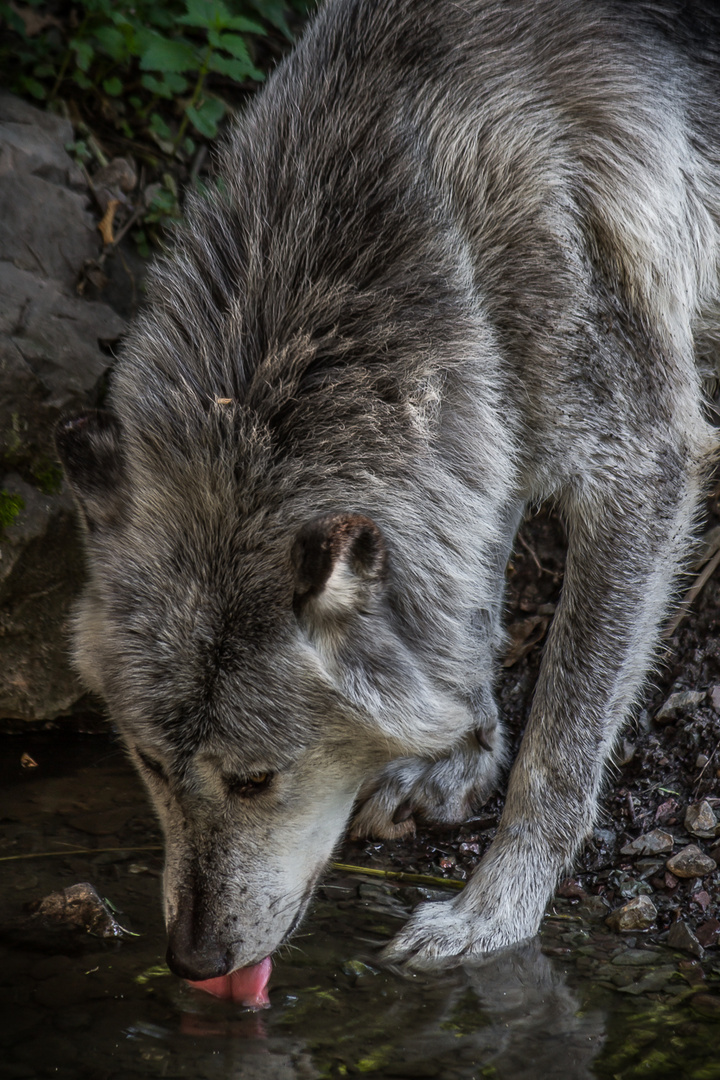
(158,67)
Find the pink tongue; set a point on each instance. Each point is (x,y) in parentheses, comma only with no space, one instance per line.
(246,986)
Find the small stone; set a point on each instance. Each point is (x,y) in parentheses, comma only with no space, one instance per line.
(682,702)
(715,697)
(653,843)
(702,899)
(647,867)
(79,907)
(700,819)
(701,761)
(708,933)
(707,1005)
(636,957)
(637,914)
(682,937)
(690,862)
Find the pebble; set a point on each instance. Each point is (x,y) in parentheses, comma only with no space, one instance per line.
(637,914)
(636,958)
(701,761)
(78,907)
(700,819)
(708,933)
(682,937)
(653,843)
(690,862)
(684,701)
(707,1005)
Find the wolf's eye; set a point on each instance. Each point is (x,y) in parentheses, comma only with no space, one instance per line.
(249,786)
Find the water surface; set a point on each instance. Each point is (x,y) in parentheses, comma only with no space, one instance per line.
(577,1002)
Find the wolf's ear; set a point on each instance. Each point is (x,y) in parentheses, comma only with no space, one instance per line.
(90,448)
(340,563)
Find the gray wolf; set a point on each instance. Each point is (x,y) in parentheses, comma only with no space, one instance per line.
(460,258)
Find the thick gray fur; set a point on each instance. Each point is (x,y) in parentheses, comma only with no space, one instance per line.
(462,257)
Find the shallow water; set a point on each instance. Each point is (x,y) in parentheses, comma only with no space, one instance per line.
(578,1002)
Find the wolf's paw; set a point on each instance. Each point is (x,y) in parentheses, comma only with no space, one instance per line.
(440,935)
(448,790)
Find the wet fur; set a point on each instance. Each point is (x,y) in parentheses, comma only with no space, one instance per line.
(461,258)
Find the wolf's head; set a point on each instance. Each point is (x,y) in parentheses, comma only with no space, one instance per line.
(251,656)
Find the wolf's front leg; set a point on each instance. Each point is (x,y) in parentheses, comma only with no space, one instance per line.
(626,547)
(447,790)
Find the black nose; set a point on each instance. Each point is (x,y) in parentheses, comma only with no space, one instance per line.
(195,950)
(197,965)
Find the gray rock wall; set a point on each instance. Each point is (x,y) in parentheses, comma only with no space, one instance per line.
(55,350)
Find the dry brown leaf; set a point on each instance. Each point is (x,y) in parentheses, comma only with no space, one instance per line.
(106,225)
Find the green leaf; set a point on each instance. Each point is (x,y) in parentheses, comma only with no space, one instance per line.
(205,118)
(234,69)
(13,20)
(231,43)
(113,87)
(112,42)
(141,240)
(83,53)
(81,80)
(165,55)
(167,87)
(246,26)
(33,87)
(207,14)
(158,125)
(274,12)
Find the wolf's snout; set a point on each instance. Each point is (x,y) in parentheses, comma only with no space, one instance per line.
(195,957)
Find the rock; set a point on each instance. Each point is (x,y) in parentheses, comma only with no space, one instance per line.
(701,761)
(54,355)
(627,886)
(690,862)
(637,914)
(40,567)
(651,982)
(707,1005)
(636,957)
(708,933)
(681,702)
(653,843)
(715,697)
(682,937)
(79,907)
(700,819)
